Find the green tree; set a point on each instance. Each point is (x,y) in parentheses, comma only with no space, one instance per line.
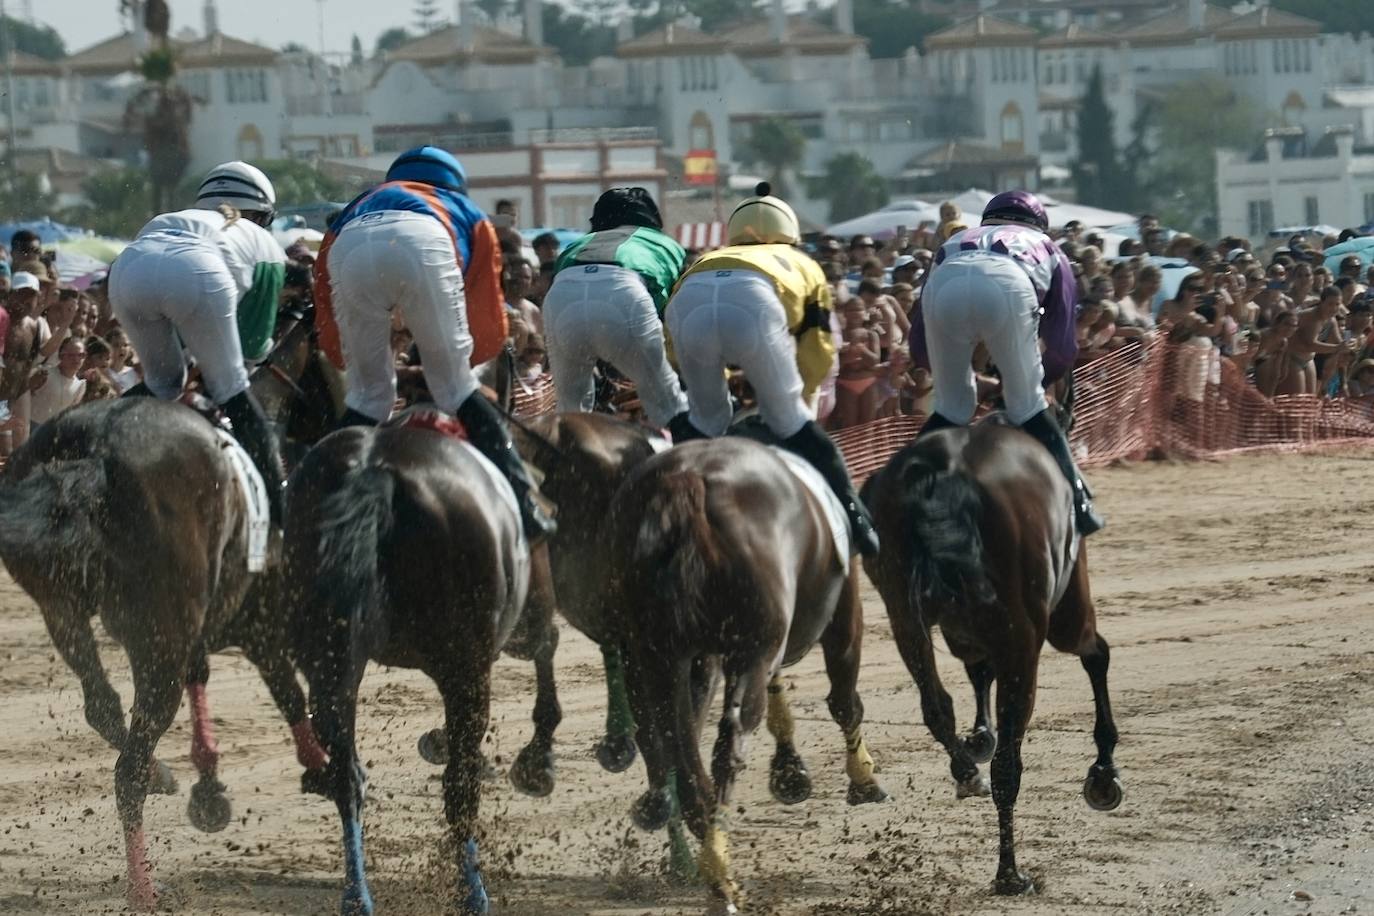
(293,47)
(25,198)
(392,39)
(776,144)
(116,203)
(493,8)
(1353,16)
(357,49)
(298,182)
(576,38)
(161,111)
(852,186)
(1099,174)
(1195,119)
(892,26)
(427,16)
(38,40)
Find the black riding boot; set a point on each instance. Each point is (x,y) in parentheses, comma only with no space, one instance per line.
(487,432)
(683,430)
(140,390)
(1047,432)
(811,443)
(933,422)
(255,435)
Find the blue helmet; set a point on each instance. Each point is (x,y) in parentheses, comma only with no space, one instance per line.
(429,165)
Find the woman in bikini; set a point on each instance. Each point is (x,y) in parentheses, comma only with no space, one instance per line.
(855,396)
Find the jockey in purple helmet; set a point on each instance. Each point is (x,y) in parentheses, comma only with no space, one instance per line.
(1007,284)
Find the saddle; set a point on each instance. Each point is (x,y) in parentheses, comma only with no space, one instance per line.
(427,416)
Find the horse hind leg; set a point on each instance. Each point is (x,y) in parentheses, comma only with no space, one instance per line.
(334,704)
(157,694)
(788,778)
(842,646)
(1015,700)
(981,742)
(937,709)
(616,750)
(467,708)
(532,772)
(1073,628)
(71,633)
(274,667)
(209,809)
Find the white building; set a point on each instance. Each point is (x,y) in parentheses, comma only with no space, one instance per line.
(1293,182)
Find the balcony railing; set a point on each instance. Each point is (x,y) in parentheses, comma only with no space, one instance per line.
(340,104)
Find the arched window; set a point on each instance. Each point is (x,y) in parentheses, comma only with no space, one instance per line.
(700,133)
(250,144)
(1013,127)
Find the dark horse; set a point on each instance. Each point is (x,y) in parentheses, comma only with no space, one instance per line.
(721,556)
(408,553)
(129,510)
(978,536)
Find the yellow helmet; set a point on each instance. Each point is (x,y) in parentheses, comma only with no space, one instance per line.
(763,220)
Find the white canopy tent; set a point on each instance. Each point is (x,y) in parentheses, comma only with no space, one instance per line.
(883,223)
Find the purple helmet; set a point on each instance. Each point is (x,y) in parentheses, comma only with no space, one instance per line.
(1017,207)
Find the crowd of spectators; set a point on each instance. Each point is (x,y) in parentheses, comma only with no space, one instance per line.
(1289,323)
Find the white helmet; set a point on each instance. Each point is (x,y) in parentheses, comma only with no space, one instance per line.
(238,184)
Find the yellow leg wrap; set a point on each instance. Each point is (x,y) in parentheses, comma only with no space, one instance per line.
(780,724)
(714,861)
(858,764)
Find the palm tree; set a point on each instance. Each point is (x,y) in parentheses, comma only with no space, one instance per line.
(852,185)
(778,145)
(161,109)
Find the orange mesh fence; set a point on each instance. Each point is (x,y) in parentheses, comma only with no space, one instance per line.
(531,398)
(1143,401)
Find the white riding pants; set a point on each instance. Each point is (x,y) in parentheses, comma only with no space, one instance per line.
(734,317)
(167,290)
(600,311)
(983,296)
(397,258)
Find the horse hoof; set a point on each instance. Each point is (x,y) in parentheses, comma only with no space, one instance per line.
(980,745)
(315,782)
(433,747)
(475,903)
(143,899)
(976,786)
(651,810)
(616,753)
(865,793)
(532,772)
(160,779)
(788,781)
(1013,885)
(357,901)
(1102,790)
(719,907)
(209,809)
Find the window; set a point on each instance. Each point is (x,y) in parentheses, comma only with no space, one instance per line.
(196,83)
(1080,71)
(569,210)
(245,86)
(1049,69)
(1012,126)
(1312,211)
(250,145)
(1369,207)
(1261,217)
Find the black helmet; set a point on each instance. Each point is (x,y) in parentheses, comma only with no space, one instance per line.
(625,207)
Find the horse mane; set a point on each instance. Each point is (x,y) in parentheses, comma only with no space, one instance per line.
(945,506)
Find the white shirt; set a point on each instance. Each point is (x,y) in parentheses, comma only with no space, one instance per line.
(243,245)
(57,394)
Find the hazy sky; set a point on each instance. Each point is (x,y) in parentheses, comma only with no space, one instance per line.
(270,22)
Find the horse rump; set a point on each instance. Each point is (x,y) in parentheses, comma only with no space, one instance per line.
(54,514)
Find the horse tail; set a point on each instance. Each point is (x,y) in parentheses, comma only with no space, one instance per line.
(676,544)
(354,521)
(53,513)
(945,505)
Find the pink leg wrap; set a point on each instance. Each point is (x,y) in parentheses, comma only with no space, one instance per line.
(204,748)
(142,894)
(308,751)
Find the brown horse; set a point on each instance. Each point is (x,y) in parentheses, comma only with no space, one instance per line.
(129,510)
(978,537)
(410,553)
(721,556)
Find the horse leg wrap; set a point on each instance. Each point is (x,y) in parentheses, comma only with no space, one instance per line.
(780,724)
(204,748)
(858,764)
(714,861)
(141,892)
(309,754)
(619,718)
